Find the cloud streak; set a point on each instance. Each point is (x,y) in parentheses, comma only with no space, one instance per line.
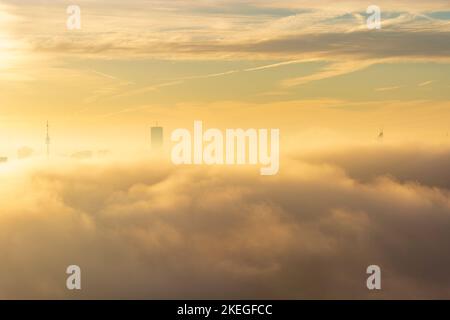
(288,31)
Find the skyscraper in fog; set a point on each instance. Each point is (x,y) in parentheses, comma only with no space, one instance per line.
(157,137)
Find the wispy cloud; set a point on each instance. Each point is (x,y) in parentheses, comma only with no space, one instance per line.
(182,80)
(332,70)
(388,88)
(426,83)
(185,29)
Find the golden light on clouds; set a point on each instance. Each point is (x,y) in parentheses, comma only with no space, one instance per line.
(364,122)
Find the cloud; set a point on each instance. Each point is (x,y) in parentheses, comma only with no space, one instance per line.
(283,32)
(188,29)
(199,232)
(426,167)
(361,44)
(329,45)
(331,70)
(388,88)
(426,83)
(182,80)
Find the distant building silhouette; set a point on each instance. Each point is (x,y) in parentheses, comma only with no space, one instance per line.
(381,135)
(24,152)
(82,155)
(157,137)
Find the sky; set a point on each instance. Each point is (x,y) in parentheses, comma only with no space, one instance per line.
(343,199)
(138,62)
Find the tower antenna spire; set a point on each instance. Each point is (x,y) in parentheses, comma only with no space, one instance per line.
(47,141)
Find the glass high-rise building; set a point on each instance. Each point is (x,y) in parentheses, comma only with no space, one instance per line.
(157,137)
